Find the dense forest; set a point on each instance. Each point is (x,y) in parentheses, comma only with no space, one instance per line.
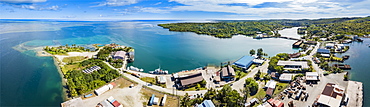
(226,28)
(80,83)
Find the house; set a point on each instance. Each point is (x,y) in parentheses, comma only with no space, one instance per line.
(207,103)
(270,87)
(189,80)
(325,55)
(119,55)
(275,103)
(331,96)
(244,62)
(285,77)
(227,73)
(258,61)
(323,51)
(293,65)
(312,76)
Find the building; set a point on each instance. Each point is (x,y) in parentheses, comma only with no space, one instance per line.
(329,46)
(297,44)
(189,80)
(161,80)
(119,55)
(286,77)
(312,76)
(331,96)
(325,55)
(275,103)
(270,87)
(310,42)
(207,103)
(293,65)
(163,101)
(103,89)
(227,73)
(323,51)
(244,62)
(294,55)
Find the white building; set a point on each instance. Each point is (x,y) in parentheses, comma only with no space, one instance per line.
(103,89)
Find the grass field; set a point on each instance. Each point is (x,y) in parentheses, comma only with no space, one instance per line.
(152,81)
(67,68)
(73,59)
(170,102)
(280,87)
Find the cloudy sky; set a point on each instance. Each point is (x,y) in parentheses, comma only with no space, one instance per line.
(181,9)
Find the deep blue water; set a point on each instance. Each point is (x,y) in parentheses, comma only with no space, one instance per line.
(28,80)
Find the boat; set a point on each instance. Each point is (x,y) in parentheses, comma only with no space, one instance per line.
(158,71)
(345,56)
(135,69)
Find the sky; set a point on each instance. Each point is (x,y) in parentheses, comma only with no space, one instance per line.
(182,9)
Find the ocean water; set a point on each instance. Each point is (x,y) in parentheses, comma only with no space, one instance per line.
(28,80)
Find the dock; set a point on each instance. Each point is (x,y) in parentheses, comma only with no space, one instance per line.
(354,94)
(342,66)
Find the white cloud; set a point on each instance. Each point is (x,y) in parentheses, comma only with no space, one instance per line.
(117,2)
(37,7)
(292,8)
(22,1)
(249,2)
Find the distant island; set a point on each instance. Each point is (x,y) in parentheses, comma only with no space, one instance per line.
(318,27)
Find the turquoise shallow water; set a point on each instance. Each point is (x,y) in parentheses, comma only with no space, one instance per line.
(30,80)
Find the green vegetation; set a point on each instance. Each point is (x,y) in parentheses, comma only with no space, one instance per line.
(63,50)
(80,83)
(319,27)
(251,85)
(153,81)
(252,52)
(359,26)
(274,60)
(239,72)
(226,97)
(105,52)
(73,59)
(225,29)
(280,88)
(199,86)
(298,75)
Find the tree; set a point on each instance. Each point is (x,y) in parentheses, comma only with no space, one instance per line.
(252,52)
(258,74)
(185,101)
(259,52)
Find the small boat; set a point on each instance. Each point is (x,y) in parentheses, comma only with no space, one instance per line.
(345,56)
(135,69)
(158,71)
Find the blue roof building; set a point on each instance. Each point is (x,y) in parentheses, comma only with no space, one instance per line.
(206,103)
(324,51)
(244,62)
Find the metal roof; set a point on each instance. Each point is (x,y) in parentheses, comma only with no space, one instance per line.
(244,61)
(303,64)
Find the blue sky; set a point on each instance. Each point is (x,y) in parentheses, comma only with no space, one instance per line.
(181,9)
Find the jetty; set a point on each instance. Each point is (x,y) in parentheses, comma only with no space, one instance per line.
(354,94)
(342,66)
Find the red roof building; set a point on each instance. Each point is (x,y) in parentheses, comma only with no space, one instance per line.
(275,103)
